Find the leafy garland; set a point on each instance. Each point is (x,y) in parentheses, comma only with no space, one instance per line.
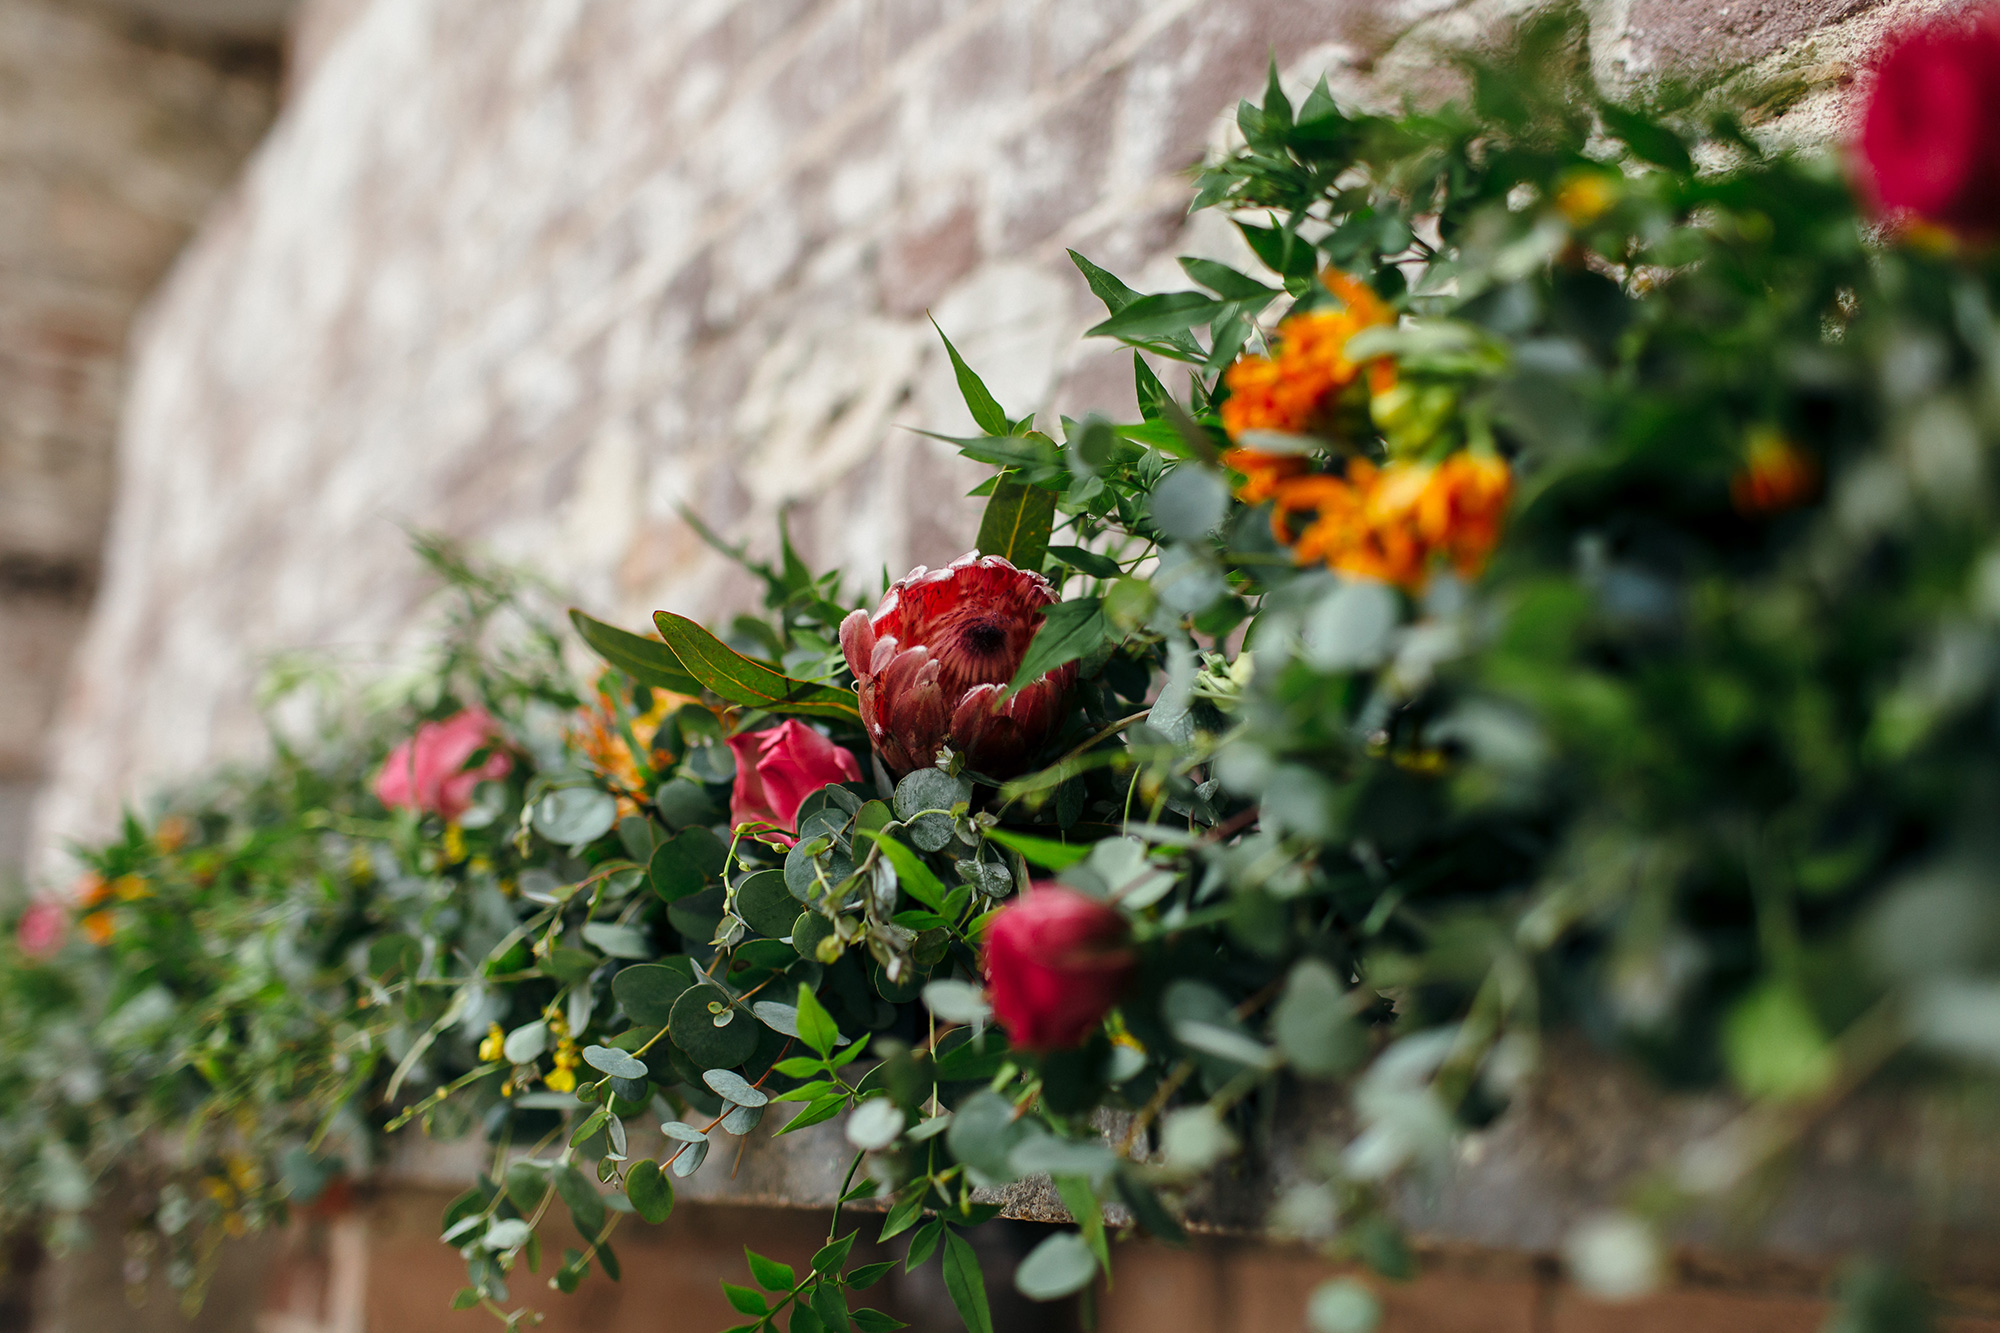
(1558,586)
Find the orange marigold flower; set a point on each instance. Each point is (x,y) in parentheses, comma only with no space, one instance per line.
(1393,523)
(1263,473)
(599,737)
(1293,390)
(97,928)
(91,890)
(172,833)
(1463,506)
(1777,475)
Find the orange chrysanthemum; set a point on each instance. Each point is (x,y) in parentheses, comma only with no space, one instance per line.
(603,742)
(1294,390)
(1394,523)
(1777,475)
(98,928)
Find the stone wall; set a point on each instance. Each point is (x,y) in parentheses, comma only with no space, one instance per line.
(114,140)
(541,273)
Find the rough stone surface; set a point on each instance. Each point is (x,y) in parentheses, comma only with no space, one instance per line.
(541,275)
(113,144)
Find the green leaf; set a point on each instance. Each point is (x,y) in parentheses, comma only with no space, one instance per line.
(652,1194)
(1070,630)
(826,1108)
(586,1205)
(1017,523)
(917,879)
(904,1214)
(965,1284)
(1775,1046)
(746,1300)
(1226,281)
(466,1298)
(830,1304)
(1652,142)
(743,680)
(770,1274)
(1044,852)
(868,1275)
(874,1321)
(1077,1196)
(1090,562)
(648,991)
(1060,1266)
(986,411)
(833,1254)
(1160,315)
(923,1243)
(816,1026)
(1104,285)
(647,661)
(591,1124)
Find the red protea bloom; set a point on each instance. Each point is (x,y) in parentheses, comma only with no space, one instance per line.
(933,659)
(1930,133)
(1056,961)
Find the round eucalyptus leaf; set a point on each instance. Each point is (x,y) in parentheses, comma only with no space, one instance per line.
(681,1132)
(1312,1026)
(876,1123)
(692,1026)
(930,789)
(733,1087)
(648,991)
(611,1060)
(651,1193)
(574,816)
(1060,1266)
(1189,502)
(690,1158)
(1343,1306)
(808,931)
(766,904)
(742,1119)
(697,915)
(526,1042)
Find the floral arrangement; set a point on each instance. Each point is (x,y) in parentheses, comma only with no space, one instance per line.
(1556,585)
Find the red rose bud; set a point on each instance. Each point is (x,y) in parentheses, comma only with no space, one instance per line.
(933,659)
(1930,133)
(1056,961)
(777,769)
(428,772)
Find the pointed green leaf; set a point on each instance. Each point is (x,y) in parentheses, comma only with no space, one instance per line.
(965,1284)
(744,680)
(769,1273)
(1044,852)
(1104,285)
(1017,523)
(1069,631)
(647,661)
(985,409)
(816,1026)
(1160,315)
(917,879)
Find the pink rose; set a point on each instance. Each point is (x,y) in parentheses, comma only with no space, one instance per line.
(428,772)
(1930,133)
(777,769)
(1056,962)
(41,930)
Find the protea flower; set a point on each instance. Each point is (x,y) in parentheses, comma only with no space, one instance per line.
(933,659)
